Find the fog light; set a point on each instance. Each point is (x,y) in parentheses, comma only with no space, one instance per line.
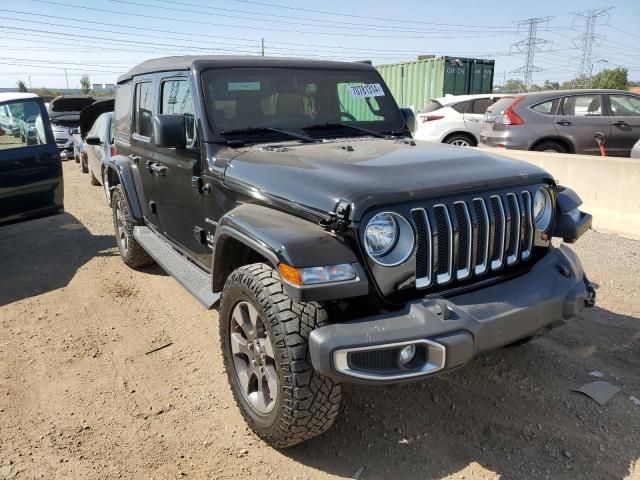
(407,354)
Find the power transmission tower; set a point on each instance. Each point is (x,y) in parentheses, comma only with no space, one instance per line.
(529,46)
(585,43)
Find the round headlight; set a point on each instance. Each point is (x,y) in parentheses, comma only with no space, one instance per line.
(381,234)
(542,209)
(389,239)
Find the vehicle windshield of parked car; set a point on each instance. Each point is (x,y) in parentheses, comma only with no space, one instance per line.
(21,125)
(250,101)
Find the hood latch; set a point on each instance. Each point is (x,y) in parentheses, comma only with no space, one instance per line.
(339,219)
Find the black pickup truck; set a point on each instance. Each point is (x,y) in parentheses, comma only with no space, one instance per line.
(291,194)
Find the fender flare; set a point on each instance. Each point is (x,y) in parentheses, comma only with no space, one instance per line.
(283,238)
(120,173)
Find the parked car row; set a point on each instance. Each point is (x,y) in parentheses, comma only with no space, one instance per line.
(572,121)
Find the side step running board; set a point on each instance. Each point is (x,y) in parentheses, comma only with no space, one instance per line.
(194,279)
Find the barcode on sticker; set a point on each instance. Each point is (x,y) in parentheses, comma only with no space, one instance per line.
(366,90)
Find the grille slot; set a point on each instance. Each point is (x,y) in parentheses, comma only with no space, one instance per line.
(444,251)
(462,239)
(424,252)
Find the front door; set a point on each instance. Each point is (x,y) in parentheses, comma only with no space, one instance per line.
(142,147)
(625,124)
(30,168)
(580,118)
(179,200)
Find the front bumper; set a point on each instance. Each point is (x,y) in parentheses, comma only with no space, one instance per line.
(454,330)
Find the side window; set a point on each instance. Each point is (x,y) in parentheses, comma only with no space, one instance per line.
(144,109)
(625,105)
(480,105)
(21,125)
(582,106)
(177,98)
(460,107)
(122,113)
(547,108)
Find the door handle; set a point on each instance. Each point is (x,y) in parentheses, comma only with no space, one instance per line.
(565,123)
(621,123)
(134,158)
(159,169)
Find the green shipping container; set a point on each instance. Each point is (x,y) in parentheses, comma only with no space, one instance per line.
(415,83)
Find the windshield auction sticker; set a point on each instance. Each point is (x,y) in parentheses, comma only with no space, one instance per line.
(366,90)
(243,86)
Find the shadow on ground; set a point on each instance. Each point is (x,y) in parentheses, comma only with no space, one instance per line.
(511,412)
(43,255)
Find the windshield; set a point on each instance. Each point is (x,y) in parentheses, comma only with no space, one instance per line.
(240,101)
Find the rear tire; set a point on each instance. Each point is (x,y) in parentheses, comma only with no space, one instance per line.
(460,140)
(281,397)
(550,146)
(83,164)
(131,251)
(76,156)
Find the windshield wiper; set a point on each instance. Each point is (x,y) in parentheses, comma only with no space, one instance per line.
(250,130)
(328,125)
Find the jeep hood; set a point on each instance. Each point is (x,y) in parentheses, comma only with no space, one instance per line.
(371,172)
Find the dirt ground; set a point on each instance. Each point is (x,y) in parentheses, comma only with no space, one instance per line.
(80,397)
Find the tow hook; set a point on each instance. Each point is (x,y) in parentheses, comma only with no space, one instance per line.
(590,299)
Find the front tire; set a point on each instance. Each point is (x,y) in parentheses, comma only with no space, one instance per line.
(131,251)
(84,167)
(263,334)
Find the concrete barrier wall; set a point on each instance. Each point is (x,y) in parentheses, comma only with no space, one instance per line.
(608,186)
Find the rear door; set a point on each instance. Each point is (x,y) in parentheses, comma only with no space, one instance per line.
(580,118)
(474,115)
(142,147)
(625,124)
(30,168)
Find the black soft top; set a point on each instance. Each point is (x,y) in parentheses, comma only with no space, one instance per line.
(202,62)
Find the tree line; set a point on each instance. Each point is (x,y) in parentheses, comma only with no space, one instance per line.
(614,78)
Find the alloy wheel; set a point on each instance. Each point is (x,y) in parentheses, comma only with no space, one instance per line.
(459,142)
(120,225)
(253,358)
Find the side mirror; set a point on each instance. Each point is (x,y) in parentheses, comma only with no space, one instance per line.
(409,118)
(93,141)
(170,131)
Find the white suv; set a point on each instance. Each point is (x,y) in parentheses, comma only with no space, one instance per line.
(456,120)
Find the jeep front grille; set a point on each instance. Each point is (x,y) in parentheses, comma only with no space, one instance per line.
(461,239)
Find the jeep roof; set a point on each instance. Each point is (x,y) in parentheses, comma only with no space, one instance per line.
(201,62)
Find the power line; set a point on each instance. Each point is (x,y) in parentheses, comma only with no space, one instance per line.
(305,32)
(335,24)
(529,46)
(340,14)
(585,43)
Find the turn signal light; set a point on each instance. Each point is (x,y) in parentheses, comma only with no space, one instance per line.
(290,274)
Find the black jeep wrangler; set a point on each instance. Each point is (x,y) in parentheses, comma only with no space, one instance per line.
(339,250)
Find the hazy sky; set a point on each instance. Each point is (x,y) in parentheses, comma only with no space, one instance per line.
(40,38)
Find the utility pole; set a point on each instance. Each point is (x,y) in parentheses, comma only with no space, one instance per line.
(529,46)
(263,47)
(585,43)
(67,79)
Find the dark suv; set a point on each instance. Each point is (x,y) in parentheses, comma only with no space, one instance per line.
(291,193)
